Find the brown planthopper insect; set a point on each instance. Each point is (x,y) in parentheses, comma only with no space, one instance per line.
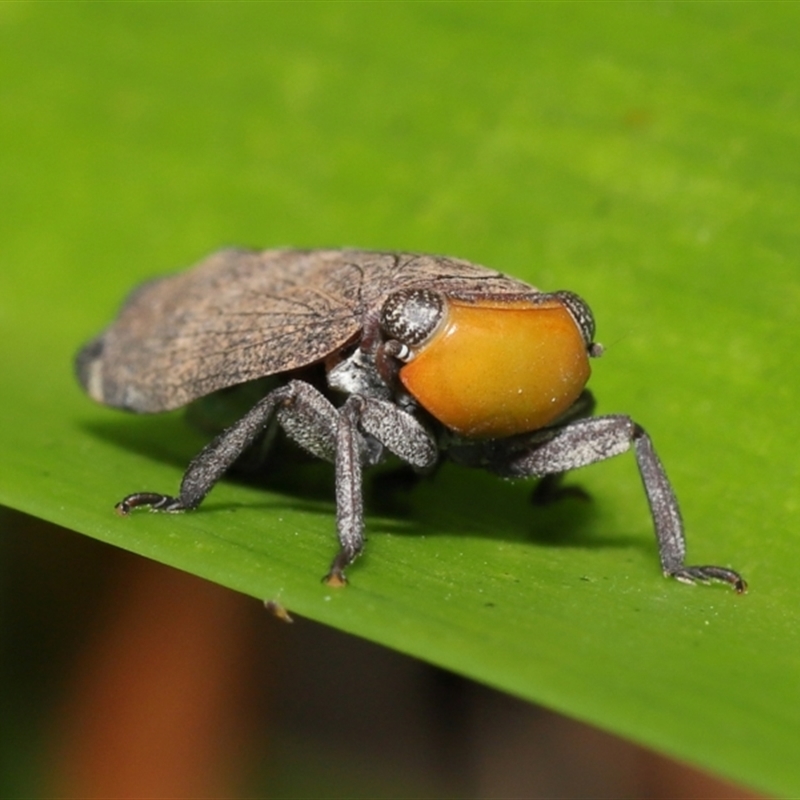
(424,357)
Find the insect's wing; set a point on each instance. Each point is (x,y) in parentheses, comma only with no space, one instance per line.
(237,316)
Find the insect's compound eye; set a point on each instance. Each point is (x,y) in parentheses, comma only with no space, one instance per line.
(581,313)
(410,316)
(499,367)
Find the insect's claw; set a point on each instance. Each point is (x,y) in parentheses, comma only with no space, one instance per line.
(708,574)
(336,576)
(152,500)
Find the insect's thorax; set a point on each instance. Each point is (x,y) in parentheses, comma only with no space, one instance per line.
(358,374)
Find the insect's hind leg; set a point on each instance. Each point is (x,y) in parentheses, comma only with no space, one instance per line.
(306,415)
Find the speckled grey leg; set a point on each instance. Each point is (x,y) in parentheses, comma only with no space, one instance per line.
(302,410)
(391,428)
(349,499)
(587,441)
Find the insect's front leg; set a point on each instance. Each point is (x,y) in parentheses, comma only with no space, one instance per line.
(550,488)
(349,495)
(397,431)
(587,441)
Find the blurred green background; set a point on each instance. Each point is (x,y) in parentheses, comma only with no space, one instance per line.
(643,155)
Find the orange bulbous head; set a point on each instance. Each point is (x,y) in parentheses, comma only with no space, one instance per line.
(492,367)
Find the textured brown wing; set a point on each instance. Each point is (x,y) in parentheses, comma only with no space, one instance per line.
(236,316)
(241,315)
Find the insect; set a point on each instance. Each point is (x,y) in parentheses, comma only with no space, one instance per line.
(422,357)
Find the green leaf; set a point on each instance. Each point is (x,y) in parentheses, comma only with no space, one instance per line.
(643,155)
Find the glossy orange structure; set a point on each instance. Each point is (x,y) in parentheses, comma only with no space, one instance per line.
(496,368)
